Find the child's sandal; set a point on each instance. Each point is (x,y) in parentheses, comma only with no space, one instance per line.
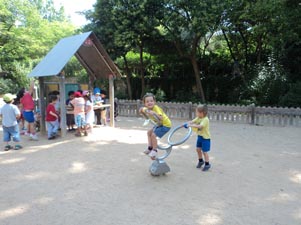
(7,147)
(18,147)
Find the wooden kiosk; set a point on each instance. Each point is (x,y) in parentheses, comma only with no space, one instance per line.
(92,56)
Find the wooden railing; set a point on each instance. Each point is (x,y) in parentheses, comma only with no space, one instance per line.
(251,114)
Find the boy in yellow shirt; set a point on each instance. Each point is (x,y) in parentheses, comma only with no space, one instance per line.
(201,126)
(157,115)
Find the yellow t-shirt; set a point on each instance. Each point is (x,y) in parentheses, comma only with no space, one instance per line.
(165,121)
(204,122)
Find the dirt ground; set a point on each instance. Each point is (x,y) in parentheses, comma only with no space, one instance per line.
(103,179)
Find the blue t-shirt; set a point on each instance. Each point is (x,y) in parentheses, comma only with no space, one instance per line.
(9,113)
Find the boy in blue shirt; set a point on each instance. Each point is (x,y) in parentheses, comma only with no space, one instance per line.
(10,114)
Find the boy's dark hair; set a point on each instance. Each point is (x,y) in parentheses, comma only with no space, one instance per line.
(148,95)
(55,93)
(80,91)
(202,108)
(53,98)
(103,92)
(20,95)
(88,97)
(70,93)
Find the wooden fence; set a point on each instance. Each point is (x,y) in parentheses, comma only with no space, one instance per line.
(251,114)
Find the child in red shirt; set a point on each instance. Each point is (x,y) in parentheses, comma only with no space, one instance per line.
(52,119)
(28,108)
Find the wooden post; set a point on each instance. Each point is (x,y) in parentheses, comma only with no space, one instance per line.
(42,105)
(190,111)
(138,105)
(112,99)
(252,113)
(63,104)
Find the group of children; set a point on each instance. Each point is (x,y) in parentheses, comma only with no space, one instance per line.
(19,109)
(80,112)
(200,125)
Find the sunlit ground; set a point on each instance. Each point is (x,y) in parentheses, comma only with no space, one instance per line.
(103,179)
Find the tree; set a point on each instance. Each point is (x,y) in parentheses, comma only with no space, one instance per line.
(186,23)
(26,37)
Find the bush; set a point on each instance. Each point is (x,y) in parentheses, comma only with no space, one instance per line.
(293,97)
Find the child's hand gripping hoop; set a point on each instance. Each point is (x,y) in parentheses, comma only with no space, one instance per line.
(170,144)
(155,119)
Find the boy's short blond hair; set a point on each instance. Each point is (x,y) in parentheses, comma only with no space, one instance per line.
(202,108)
(148,95)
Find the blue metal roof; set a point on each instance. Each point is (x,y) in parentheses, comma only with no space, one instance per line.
(58,57)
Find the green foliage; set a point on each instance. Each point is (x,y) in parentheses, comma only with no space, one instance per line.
(29,29)
(268,84)
(293,97)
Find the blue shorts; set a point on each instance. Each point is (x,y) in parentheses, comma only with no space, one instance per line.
(79,120)
(203,144)
(161,131)
(28,116)
(11,132)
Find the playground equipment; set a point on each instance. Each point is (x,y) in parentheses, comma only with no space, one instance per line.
(159,166)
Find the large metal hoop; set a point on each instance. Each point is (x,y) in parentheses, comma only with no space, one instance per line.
(167,148)
(181,141)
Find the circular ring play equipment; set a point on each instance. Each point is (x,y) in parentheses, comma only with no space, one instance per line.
(167,148)
(159,166)
(175,143)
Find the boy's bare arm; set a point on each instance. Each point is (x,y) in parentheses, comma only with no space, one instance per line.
(155,114)
(53,114)
(194,125)
(18,116)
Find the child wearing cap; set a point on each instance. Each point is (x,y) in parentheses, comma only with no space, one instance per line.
(97,101)
(10,115)
(79,114)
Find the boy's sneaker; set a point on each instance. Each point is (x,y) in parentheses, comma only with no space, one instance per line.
(200,164)
(206,167)
(7,147)
(34,137)
(146,151)
(18,147)
(153,154)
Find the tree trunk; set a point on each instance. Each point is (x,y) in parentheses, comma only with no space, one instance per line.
(229,45)
(199,86)
(142,70)
(128,78)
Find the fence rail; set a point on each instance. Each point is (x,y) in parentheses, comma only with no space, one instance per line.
(251,114)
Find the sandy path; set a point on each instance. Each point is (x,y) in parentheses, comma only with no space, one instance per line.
(103,180)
